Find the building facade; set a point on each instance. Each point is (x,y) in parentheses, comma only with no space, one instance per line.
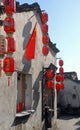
(25,84)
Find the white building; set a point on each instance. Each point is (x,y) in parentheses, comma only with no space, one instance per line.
(69,97)
(25,82)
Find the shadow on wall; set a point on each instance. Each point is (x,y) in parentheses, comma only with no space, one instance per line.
(36,93)
(18,121)
(26,34)
(77,124)
(27,64)
(78,128)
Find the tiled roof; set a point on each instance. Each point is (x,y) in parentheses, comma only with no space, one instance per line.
(72,76)
(23,7)
(26,7)
(53,47)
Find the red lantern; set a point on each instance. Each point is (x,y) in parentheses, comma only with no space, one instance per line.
(45,39)
(9,65)
(61,70)
(49,84)
(49,74)
(10,6)
(9,26)
(61,77)
(58,77)
(3,45)
(61,62)
(10,44)
(58,86)
(44,17)
(44,28)
(62,85)
(45,50)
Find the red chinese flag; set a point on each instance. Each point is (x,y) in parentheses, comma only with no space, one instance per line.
(30,47)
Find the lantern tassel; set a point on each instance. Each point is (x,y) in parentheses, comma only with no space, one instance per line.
(8,81)
(45,58)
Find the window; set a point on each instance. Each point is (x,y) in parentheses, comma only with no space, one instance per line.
(74,96)
(28,91)
(24,92)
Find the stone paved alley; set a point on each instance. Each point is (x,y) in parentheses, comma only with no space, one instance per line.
(68,123)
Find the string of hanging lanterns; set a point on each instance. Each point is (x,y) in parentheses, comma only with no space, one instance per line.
(49,74)
(60,76)
(45,38)
(7,45)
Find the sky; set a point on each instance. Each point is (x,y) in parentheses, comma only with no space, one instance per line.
(64,29)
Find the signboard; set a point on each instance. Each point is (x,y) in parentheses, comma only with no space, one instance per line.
(0,68)
(3,45)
